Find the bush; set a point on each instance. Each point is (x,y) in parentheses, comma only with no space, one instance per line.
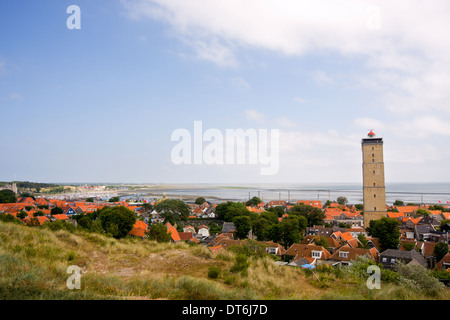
(214,272)
(420,279)
(241,264)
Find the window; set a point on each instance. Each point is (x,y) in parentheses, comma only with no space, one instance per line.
(374,184)
(343,254)
(316,254)
(374,208)
(374,195)
(384,260)
(373,148)
(392,260)
(373,171)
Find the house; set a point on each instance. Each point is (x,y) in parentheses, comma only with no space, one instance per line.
(444,264)
(407,210)
(60,217)
(175,237)
(138,232)
(390,257)
(346,254)
(276,203)
(203,231)
(216,249)
(275,248)
(331,243)
(312,203)
(69,211)
(190,229)
(314,254)
(228,227)
(186,236)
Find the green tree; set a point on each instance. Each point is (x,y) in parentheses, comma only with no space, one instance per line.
(422,212)
(39,213)
(200,200)
(342,200)
(440,250)
(173,210)
(359,206)
(229,210)
(90,200)
(159,233)
(117,221)
(399,203)
(85,222)
(363,241)
(243,226)
(22,214)
(7,196)
(253,201)
(387,230)
(56,210)
(279,210)
(114,199)
(313,215)
(289,232)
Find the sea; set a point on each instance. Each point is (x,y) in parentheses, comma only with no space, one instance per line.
(417,193)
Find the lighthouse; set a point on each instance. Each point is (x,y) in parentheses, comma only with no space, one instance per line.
(374,189)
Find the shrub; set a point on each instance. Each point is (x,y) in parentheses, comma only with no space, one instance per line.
(420,279)
(214,272)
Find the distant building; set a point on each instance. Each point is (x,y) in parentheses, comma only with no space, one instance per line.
(374,190)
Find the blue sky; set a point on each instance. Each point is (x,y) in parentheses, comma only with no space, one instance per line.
(100,104)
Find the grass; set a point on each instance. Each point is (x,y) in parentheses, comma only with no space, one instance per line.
(34,261)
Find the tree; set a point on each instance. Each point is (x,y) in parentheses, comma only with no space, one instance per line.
(313,215)
(399,203)
(173,210)
(117,221)
(229,210)
(387,230)
(85,222)
(39,213)
(56,210)
(363,241)
(114,199)
(342,200)
(422,212)
(22,215)
(440,250)
(279,210)
(289,232)
(7,196)
(90,200)
(253,201)
(359,206)
(243,226)
(158,232)
(200,200)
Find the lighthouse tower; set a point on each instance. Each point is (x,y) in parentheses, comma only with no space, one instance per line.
(374,190)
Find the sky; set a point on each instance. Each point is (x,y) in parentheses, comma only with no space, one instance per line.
(100,103)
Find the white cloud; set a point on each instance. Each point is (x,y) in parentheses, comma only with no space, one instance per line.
(240,83)
(255,115)
(299,100)
(320,77)
(285,122)
(406,55)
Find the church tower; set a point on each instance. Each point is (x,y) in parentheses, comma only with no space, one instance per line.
(374,190)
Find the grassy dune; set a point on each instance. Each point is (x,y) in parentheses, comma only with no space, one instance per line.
(33,264)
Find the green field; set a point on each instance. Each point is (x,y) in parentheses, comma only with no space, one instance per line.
(34,261)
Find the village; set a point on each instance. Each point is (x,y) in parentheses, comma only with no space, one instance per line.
(338,239)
